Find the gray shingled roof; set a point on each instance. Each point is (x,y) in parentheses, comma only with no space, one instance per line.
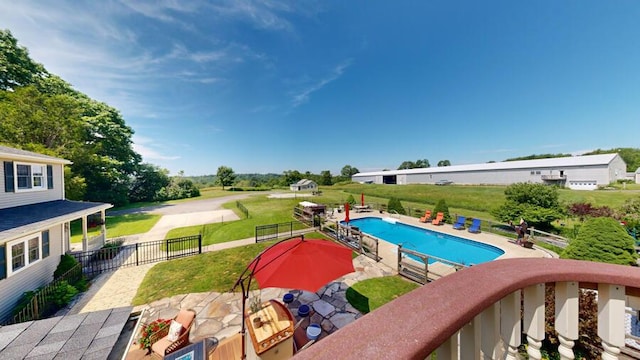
(28,218)
(90,335)
(17,154)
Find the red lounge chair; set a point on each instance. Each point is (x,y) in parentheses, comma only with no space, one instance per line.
(439,220)
(426,217)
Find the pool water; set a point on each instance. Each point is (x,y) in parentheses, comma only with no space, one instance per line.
(448,247)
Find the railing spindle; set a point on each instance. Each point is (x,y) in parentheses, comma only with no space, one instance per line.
(534,319)
(567,317)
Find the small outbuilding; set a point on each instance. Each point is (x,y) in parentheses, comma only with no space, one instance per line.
(304,185)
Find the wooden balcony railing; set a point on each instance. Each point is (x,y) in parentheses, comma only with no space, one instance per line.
(475,313)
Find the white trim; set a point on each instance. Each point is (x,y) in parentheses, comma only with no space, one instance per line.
(24,240)
(32,188)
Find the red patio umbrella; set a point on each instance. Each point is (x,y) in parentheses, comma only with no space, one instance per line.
(305,264)
(362,199)
(296,263)
(346,212)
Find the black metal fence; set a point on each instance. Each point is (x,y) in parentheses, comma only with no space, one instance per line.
(114,257)
(41,303)
(242,208)
(274,231)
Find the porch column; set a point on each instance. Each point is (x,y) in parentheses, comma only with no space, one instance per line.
(103,220)
(567,317)
(611,317)
(534,319)
(510,324)
(85,238)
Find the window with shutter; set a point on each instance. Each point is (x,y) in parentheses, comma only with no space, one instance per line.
(3,261)
(8,176)
(49,177)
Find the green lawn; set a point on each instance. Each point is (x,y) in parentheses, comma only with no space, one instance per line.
(262,211)
(370,294)
(117,226)
(212,271)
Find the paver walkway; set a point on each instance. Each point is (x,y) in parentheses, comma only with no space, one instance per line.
(218,314)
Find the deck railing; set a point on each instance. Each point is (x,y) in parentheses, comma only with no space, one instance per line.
(477,313)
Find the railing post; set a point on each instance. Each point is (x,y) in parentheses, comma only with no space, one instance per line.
(399,257)
(470,340)
(449,349)
(534,319)
(490,323)
(611,315)
(510,324)
(137,259)
(199,243)
(567,317)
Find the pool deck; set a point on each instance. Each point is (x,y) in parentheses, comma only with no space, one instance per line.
(389,251)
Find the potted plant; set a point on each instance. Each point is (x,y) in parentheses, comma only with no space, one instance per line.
(255,304)
(150,333)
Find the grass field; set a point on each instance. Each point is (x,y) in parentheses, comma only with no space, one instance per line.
(117,226)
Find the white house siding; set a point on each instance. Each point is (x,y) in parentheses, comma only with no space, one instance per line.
(32,277)
(13,199)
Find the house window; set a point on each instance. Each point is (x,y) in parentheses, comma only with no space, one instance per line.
(17,257)
(34,250)
(30,177)
(24,252)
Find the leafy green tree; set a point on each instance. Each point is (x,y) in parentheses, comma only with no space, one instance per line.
(351,200)
(444,163)
(16,67)
(630,214)
(394,204)
(421,163)
(291,177)
(441,206)
(225,176)
(326,178)
(148,181)
(538,204)
(603,240)
(348,171)
(631,156)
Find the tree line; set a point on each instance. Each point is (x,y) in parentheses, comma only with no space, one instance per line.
(41,112)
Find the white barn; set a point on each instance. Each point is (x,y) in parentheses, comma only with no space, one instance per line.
(576,172)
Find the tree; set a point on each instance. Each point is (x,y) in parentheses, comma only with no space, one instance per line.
(351,200)
(348,171)
(148,181)
(325,178)
(421,163)
(604,240)
(17,67)
(291,177)
(444,163)
(225,176)
(536,203)
(441,206)
(394,204)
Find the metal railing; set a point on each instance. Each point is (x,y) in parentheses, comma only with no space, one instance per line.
(242,208)
(273,231)
(112,258)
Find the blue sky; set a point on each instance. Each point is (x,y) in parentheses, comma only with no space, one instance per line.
(269,86)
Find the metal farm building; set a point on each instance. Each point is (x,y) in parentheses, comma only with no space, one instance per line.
(576,172)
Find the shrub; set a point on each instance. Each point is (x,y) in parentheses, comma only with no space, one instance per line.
(602,239)
(395,204)
(67,262)
(442,207)
(63,293)
(351,200)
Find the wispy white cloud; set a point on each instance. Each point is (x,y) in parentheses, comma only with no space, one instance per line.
(303,96)
(146,147)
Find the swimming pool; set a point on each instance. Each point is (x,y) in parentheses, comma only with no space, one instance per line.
(428,242)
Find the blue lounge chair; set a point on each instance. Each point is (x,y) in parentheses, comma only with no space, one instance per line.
(475,226)
(459,225)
